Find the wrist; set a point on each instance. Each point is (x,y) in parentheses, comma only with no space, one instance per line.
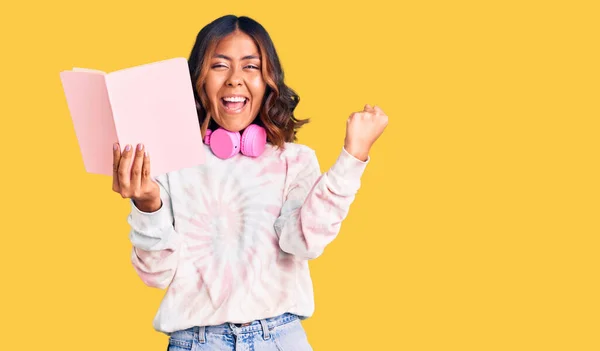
(152,205)
(359,153)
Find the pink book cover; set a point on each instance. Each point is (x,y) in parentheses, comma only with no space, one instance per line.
(151,104)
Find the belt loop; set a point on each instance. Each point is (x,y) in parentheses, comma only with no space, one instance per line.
(233,328)
(265,329)
(202,334)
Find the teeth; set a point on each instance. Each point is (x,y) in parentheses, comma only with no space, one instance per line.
(234,99)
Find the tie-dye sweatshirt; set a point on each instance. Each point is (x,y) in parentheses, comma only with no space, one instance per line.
(232,239)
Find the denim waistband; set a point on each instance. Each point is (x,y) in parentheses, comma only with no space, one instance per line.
(197,332)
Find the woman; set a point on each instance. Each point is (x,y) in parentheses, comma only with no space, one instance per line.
(231,239)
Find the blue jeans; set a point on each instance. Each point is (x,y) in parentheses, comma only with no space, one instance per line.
(282,333)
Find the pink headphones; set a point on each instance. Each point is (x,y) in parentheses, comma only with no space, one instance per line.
(225,144)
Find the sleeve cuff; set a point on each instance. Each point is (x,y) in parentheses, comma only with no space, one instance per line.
(149,221)
(346,173)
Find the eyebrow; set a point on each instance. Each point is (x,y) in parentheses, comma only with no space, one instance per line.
(247,57)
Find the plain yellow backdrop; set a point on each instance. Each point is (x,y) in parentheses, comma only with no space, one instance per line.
(477,224)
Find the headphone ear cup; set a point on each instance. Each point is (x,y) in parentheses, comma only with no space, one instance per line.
(254,140)
(224,144)
(207,136)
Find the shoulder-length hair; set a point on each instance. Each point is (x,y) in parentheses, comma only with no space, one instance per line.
(276,114)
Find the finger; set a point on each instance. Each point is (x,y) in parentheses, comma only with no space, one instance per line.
(364,115)
(355,115)
(136,169)
(116,159)
(352,116)
(368,108)
(382,117)
(124,169)
(146,169)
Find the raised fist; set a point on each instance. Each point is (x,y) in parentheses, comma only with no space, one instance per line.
(363,129)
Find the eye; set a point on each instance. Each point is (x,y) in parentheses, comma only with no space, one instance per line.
(219,65)
(252,67)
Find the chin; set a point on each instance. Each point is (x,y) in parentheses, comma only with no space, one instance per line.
(233,123)
(234,127)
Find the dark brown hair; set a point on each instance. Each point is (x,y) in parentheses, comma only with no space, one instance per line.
(276,114)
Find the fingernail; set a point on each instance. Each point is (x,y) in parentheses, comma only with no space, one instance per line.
(115,146)
(146,153)
(128,147)
(140,147)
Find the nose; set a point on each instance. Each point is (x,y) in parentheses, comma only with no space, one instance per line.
(235,79)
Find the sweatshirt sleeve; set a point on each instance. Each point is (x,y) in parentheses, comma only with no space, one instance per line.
(316,204)
(155,242)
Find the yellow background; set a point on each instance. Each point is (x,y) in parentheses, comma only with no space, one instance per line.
(476,227)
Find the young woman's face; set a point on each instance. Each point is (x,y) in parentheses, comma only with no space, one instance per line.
(234,84)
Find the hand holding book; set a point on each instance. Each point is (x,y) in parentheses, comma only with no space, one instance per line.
(131,177)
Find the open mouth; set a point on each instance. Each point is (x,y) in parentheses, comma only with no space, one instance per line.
(234,104)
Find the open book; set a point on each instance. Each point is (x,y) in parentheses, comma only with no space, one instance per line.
(151,104)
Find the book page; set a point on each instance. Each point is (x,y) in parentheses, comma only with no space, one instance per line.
(88,104)
(89,70)
(154,104)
